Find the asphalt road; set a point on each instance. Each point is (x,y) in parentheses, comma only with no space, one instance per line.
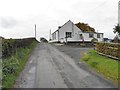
(52,66)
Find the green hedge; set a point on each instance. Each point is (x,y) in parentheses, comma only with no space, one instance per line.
(111,49)
(13,65)
(9,46)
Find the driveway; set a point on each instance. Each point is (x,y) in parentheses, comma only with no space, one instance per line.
(54,66)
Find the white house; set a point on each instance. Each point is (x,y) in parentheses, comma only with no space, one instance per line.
(69,32)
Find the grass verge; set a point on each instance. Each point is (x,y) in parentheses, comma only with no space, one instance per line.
(15,64)
(104,65)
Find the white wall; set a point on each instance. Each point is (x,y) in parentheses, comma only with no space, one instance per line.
(55,39)
(70,27)
(86,37)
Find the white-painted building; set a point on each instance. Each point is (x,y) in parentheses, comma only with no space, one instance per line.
(69,32)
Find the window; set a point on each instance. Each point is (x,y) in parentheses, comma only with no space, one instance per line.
(68,34)
(98,35)
(91,35)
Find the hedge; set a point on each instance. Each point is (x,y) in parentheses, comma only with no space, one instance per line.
(9,46)
(112,49)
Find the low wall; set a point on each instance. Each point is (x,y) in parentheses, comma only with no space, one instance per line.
(111,49)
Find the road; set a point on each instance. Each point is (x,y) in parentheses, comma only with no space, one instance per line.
(52,66)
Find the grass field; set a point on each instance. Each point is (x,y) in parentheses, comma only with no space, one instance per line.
(106,66)
(15,64)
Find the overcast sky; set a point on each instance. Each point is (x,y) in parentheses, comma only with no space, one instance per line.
(17,17)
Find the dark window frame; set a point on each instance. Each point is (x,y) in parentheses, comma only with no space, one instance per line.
(98,35)
(91,35)
(68,34)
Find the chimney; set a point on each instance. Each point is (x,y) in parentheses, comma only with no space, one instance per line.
(59,27)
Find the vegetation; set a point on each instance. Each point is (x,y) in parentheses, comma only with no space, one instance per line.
(85,27)
(94,40)
(14,63)
(106,66)
(117,29)
(9,46)
(109,49)
(116,39)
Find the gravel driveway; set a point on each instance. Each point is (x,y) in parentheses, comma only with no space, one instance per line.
(57,66)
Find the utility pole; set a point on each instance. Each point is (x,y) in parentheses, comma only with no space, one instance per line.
(119,12)
(50,35)
(35,30)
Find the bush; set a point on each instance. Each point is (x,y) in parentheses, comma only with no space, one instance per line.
(9,46)
(109,49)
(13,65)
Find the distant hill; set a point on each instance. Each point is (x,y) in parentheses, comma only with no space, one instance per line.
(85,27)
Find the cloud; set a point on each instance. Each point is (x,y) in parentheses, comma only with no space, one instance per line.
(7,22)
(49,14)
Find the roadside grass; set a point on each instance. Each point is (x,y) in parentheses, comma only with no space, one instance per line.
(104,65)
(0,73)
(0,62)
(14,65)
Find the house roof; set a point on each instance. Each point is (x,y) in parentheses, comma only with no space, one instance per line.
(62,26)
(76,26)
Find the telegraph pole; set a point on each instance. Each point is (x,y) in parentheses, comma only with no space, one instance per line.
(35,30)
(50,35)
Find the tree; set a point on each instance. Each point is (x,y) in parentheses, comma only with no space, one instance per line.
(85,27)
(117,29)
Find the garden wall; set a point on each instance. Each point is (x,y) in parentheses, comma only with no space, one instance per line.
(111,49)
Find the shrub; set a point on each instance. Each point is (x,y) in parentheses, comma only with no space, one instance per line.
(9,46)
(111,49)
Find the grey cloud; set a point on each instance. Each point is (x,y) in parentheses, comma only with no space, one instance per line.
(7,22)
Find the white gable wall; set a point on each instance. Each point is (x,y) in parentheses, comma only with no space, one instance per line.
(69,27)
